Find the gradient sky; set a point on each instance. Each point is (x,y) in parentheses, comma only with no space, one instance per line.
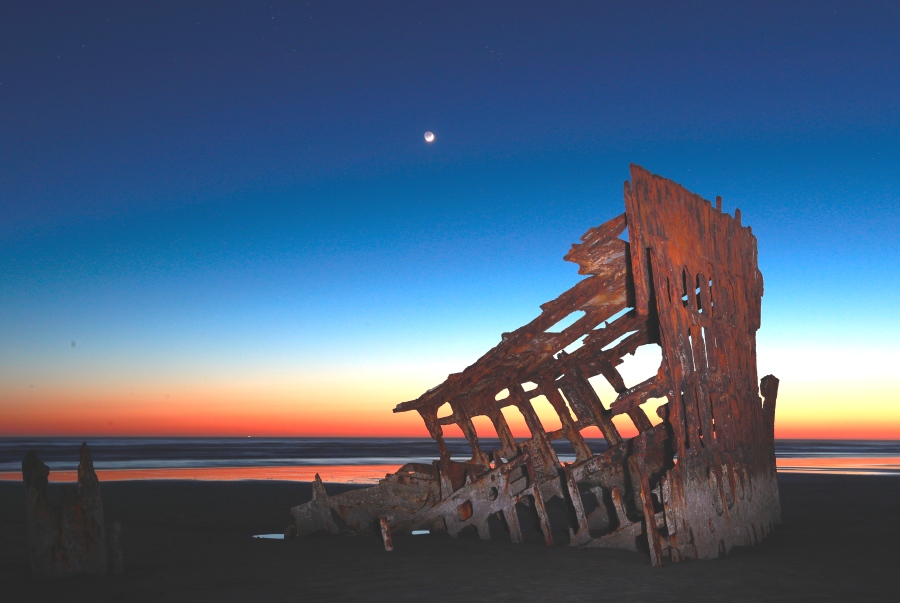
(222,218)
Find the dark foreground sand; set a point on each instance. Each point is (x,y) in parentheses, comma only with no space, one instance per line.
(190,541)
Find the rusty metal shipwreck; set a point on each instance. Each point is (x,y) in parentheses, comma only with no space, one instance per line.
(693,483)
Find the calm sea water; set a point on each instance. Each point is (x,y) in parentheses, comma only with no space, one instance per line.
(354,460)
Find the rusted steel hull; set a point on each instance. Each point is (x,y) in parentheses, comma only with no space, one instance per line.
(697,479)
(70,538)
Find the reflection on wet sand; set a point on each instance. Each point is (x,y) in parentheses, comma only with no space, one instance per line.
(346,474)
(370,474)
(841,465)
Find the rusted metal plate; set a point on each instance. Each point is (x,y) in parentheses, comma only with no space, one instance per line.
(693,483)
(68,538)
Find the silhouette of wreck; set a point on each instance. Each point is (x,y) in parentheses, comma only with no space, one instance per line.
(693,483)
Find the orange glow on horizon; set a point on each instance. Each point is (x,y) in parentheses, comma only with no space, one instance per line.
(370,474)
(363,409)
(838,464)
(344,474)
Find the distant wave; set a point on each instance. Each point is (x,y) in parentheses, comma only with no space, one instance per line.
(61,454)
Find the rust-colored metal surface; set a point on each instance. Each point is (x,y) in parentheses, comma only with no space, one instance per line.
(70,538)
(699,476)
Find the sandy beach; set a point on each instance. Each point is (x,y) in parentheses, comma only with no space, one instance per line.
(191,541)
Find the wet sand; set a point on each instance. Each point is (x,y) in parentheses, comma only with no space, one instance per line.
(191,541)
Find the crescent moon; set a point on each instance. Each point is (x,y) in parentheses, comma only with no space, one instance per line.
(429,137)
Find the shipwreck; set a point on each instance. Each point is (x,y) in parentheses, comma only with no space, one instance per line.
(698,478)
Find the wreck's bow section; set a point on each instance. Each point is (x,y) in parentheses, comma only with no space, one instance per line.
(699,476)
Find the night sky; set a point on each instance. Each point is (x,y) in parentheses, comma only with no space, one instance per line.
(223,218)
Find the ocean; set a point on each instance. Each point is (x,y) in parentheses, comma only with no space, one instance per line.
(356,460)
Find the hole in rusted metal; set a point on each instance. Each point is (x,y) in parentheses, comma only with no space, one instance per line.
(546,413)
(516,421)
(566,322)
(651,406)
(497,527)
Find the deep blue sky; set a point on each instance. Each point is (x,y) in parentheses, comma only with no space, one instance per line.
(241,191)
